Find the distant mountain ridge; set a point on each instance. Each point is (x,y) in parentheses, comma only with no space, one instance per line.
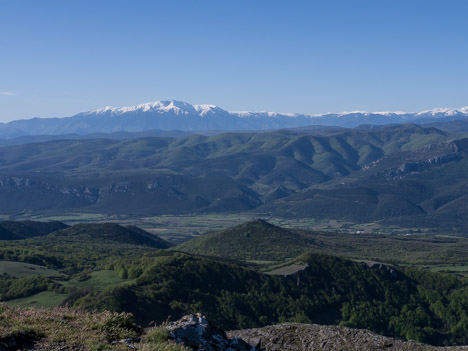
(362,175)
(178,115)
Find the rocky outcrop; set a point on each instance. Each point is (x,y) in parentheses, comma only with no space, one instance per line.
(197,332)
(312,337)
(380,266)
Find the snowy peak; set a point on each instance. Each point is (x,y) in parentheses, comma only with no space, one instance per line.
(208,109)
(178,108)
(443,112)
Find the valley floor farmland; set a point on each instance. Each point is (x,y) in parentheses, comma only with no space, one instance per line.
(178,228)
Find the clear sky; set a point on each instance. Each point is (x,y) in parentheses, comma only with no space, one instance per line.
(58,58)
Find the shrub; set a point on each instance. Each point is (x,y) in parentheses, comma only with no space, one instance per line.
(155,335)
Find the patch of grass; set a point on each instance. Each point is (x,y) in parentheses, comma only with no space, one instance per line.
(99,280)
(166,346)
(260,262)
(42,299)
(21,269)
(452,269)
(71,217)
(76,329)
(156,335)
(286,270)
(69,329)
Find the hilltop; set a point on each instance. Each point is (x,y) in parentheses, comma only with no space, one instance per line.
(252,241)
(98,232)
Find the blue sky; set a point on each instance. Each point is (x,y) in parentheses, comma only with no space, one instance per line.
(58,58)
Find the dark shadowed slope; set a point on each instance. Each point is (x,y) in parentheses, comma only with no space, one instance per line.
(96,232)
(29,229)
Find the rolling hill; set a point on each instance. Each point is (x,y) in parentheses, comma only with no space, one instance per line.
(252,241)
(405,173)
(82,247)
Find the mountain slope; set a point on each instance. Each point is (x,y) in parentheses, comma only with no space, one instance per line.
(365,174)
(7,235)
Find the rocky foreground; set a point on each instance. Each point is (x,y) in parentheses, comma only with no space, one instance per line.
(198,333)
(78,330)
(312,337)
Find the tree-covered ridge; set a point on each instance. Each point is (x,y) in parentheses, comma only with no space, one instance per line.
(251,241)
(406,303)
(16,230)
(323,152)
(82,247)
(86,232)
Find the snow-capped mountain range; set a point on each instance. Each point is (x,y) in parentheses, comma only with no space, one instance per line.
(178,115)
(160,107)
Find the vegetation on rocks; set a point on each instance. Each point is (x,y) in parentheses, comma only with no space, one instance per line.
(63,328)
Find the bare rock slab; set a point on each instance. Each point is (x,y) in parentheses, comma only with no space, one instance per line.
(197,332)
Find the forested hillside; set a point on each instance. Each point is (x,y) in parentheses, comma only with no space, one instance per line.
(404,174)
(408,303)
(112,267)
